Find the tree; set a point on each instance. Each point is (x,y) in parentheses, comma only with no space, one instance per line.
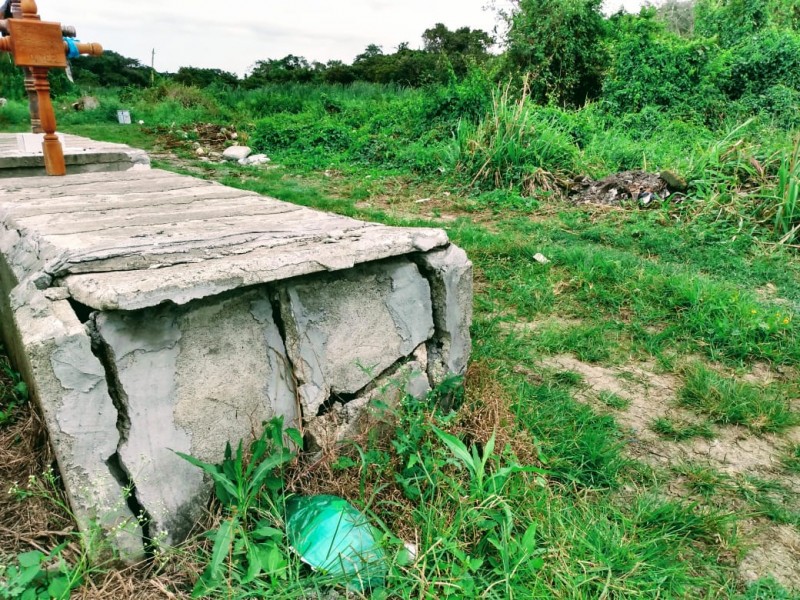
(288,69)
(677,16)
(203,78)
(560,43)
(462,47)
(111,70)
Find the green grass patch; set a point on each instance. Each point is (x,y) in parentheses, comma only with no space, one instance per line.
(679,430)
(791,459)
(612,400)
(727,401)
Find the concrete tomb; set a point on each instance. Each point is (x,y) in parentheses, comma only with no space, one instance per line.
(21,155)
(154,313)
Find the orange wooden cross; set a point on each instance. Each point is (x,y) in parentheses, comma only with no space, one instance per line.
(37,46)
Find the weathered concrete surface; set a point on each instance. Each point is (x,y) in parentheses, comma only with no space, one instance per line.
(343,331)
(81,155)
(53,350)
(184,314)
(162,237)
(450,274)
(191,379)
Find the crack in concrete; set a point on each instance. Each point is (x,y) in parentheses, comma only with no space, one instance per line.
(105,354)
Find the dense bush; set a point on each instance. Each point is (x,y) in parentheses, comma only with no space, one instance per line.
(560,43)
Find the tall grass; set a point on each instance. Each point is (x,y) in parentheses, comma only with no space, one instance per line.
(512,147)
(787,215)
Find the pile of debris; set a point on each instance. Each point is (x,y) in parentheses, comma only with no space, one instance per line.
(210,143)
(628,186)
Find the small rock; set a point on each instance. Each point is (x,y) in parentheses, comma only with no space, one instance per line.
(234,136)
(236,153)
(3,102)
(140,122)
(215,155)
(541,259)
(258,159)
(200,151)
(57,293)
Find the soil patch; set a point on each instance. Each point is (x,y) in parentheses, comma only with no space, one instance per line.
(775,552)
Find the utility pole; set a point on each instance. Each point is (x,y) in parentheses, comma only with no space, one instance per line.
(153,68)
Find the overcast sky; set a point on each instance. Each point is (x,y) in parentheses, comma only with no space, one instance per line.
(232,35)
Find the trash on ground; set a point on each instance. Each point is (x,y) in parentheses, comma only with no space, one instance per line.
(646,188)
(334,537)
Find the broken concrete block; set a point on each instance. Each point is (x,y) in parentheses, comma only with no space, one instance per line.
(450,274)
(343,331)
(344,420)
(208,311)
(191,380)
(68,383)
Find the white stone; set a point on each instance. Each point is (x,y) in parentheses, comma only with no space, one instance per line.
(258,159)
(236,153)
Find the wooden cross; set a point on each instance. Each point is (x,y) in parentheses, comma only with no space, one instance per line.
(38,46)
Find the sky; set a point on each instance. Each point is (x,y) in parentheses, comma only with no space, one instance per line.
(234,35)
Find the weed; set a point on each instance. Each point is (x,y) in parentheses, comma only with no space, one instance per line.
(36,575)
(13,391)
(791,459)
(612,400)
(245,545)
(787,215)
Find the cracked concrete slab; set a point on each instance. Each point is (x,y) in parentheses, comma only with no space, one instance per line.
(149,238)
(53,351)
(450,274)
(191,379)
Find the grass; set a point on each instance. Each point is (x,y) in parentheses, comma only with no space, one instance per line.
(730,402)
(624,286)
(791,459)
(679,430)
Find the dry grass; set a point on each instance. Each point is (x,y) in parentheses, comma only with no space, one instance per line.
(28,520)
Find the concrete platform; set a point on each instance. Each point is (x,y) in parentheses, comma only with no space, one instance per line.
(153,313)
(21,156)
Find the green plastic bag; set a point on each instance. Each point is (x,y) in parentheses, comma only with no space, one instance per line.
(333,537)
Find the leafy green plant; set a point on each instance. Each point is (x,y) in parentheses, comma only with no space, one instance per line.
(248,542)
(787,215)
(38,576)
